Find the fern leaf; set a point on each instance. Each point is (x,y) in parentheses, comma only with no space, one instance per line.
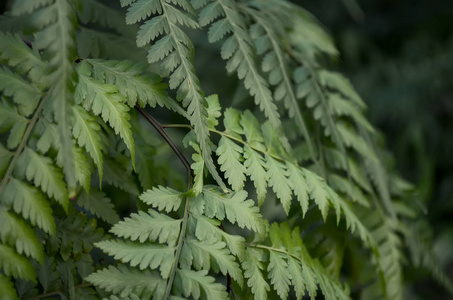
(23,93)
(114,174)
(12,120)
(253,270)
(300,186)
(82,168)
(19,55)
(7,288)
(194,282)
(15,265)
(47,137)
(317,192)
(125,281)
(240,55)
(30,203)
(133,84)
(14,231)
(163,198)
(279,275)
(98,204)
(142,255)
(5,157)
(255,165)
(150,226)
(207,228)
(203,252)
(230,162)
(175,51)
(278,180)
(338,82)
(48,277)
(43,173)
(104,100)
(85,130)
(232,206)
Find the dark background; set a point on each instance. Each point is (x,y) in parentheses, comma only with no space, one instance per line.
(399,56)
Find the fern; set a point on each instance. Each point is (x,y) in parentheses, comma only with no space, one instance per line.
(287,194)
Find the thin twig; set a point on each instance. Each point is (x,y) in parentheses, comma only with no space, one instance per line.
(165,136)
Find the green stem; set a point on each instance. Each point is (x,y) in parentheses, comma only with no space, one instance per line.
(23,143)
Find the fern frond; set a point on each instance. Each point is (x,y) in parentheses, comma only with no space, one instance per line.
(5,157)
(82,168)
(175,52)
(197,283)
(42,172)
(239,50)
(163,198)
(15,232)
(98,204)
(31,203)
(133,84)
(230,160)
(253,271)
(117,172)
(150,226)
(234,207)
(22,92)
(7,288)
(85,131)
(142,255)
(104,100)
(26,61)
(207,254)
(126,281)
(11,120)
(15,265)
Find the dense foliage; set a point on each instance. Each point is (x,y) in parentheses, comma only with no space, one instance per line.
(289,191)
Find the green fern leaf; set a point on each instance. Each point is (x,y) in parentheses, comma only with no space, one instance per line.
(163,198)
(7,288)
(5,157)
(230,160)
(23,58)
(133,84)
(15,265)
(194,282)
(85,130)
(82,168)
(278,180)
(213,110)
(232,206)
(255,165)
(142,255)
(338,82)
(23,93)
(151,226)
(278,273)
(12,120)
(240,55)
(300,186)
(47,137)
(104,100)
(29,202)
(125,281)
(98,204)
(207,251)
(43,173)
(48,277)
(14,231)
(175,51)
(115,174)
(207,228)
(253,266)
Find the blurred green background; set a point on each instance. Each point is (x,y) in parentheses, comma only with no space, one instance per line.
(399,56)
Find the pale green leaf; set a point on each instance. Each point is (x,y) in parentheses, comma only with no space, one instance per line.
(163,198)
(278,180)
(43,172)
(125,281)
(82,168)
(207,251)
(86,131)
(188,282)
(13,264)
(142,255)
(230,160)
(301,189)
(253,270)
(14,231)
(317,192)
(278,274)
(150,226)
(255,165)
(31,203)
